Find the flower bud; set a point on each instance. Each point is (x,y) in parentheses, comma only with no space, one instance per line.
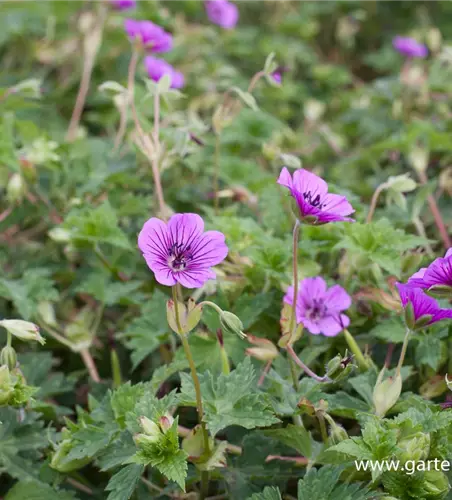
(8,357)
(15,190)
(434,39)
(188,315)
(6,387)
(415,447)
(150,428)
(339,367)
(60,235)
(386,392)
(313,110)
(418,158)
(337,432)
(23,330)
(144,440)
(433,387)
(440,291)
(265,350)
(166,422)
(231,324)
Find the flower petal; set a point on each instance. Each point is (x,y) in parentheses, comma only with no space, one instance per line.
(185,228)
(153,239)
(337,299)
(285,179)
(208,250)
(337,204)
(307,182)
(194,278)
(310,325)
(333,324)
(439,272)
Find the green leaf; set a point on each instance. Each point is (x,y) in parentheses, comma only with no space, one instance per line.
(294,436)
(390,330)
(231,399)
(33,490)
(321,484)
(269,493)
(122,485)
(96,225)
(145,333)
(428,351)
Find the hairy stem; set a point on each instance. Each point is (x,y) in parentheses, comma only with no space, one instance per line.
(156,156)
(354,348)
(216,173)
(305,368)
(296,232)
(373,203)
(197,386)
(403,352)
(436,213)
(90,365)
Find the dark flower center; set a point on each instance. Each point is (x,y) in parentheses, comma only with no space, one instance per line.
(317,310)
(313,200)
(179,256)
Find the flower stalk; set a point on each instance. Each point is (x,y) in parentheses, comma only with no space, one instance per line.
(305,368)
(355,349)
(403,352)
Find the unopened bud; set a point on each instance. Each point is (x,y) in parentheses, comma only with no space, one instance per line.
(337,432)
(386,392)
(339,368)
(149,427)
(415,447)
(418,158)
(231,324)
(8,357)
(59,235)
(23,330)
(15,190)
(166,422)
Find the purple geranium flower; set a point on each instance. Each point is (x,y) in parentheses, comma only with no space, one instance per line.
(124,4)
(315,204)
(222,12)
(424,309)
(153,37)
(319,308)
(438,273)
(409,47)
(180,251)
(156,68)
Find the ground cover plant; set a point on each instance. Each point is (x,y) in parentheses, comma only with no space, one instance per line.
(225,250)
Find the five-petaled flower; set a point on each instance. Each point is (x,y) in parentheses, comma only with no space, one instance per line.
(156,68)
(409,47)
(154,38)
(319,308)
(420,309)
(222,12)
(180,251)
(437,274)
(315,204)
(123,4)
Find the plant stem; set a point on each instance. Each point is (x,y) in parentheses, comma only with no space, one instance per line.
(89,57)
(90,365)
(9,338)
(373,203)
(197,387)
(149,149)
(216,173)
(322,425)
(254,80)
(305,368)
(212,305)
(436,213)
(354,348)
(296,232)
(403,352)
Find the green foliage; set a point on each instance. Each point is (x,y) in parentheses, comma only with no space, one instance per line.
(231,399)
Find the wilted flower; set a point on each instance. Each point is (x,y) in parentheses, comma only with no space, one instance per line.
(420,309)
(153,37)
(265,350)
(123,4)
(157,68)
(386,392)
(409,47)
(315,204)
(222,12)
(319,308)
(437,277)
(180,251)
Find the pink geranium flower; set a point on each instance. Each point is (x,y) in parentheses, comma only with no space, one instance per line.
(156,68)
(438,273)
(315,204)
(409,47)
(319,308)
(153,37)
(222,12)
(180,251)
